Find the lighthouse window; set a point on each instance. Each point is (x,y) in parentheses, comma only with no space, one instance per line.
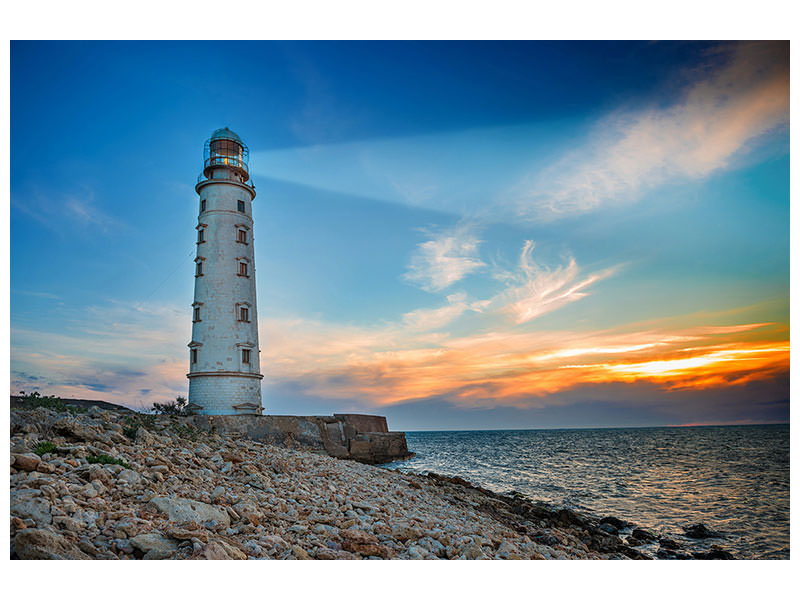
(200,236)
(199,270)
(196,314)
(193,353)
(245,356)
(240,206)
(202,206)
(244,314)
(243,269)
(242,236)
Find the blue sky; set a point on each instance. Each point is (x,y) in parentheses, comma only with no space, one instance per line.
(456,235)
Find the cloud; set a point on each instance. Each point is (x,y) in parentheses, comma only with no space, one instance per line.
(447,258)
(66,214)
(110,352)
(714,116)
(47,295)
(741,95)
(505,363)
(537,290)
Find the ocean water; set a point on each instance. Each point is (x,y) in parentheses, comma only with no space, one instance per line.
(734,480)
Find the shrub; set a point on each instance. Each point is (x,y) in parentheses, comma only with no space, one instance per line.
(45,448)
(179,407)
(105,459)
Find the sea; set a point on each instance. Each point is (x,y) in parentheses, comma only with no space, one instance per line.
(732,479)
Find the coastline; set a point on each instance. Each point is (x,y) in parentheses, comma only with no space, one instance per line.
(170,490)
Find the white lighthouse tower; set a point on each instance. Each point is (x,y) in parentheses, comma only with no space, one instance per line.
(224,371)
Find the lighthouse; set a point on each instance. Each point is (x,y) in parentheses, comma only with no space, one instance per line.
(224,370)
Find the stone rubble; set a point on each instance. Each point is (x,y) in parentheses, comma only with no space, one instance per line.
(190,494)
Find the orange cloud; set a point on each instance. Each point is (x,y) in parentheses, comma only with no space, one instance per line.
(392,365)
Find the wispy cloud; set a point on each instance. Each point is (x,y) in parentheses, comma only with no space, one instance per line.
(447,258)
(35,294)
(741,94)
(536,289)
(69,213)
(718,112)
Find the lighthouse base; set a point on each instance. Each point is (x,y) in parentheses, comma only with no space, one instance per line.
(225,393)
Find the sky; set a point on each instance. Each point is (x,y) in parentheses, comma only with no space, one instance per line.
(457,235)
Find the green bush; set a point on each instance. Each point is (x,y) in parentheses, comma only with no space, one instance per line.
(177,408)
(105,459)
(45,448)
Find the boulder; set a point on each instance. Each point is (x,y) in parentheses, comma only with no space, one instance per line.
(145,438)
(182,509)
(219,550)
(669,544)
(154,546)
(130,477)
(30,504)
(713,555)
(25,462)
(700,531)
(643,534)
(366,544)
(608,528)
(40,544)
(299,553)
(614,521)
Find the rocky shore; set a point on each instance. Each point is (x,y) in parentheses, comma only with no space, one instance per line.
(104,484)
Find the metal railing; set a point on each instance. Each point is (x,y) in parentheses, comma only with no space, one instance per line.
(202,178)
(221,160)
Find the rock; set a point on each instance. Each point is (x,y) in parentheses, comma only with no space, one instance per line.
(145,438)
(643,534)
(280,466)
(130,477)
(366,544)
(29,504)
(67,523)
(608,528)
(700,531)
(182,509)
(546,538)
(299,553)
(713,555)
(180,533)
(154,546)
(219,550)
(571,518)
(40,544)
(472,552)
(614,521)
(404,533)
(26,462)
(505,549)
(632,541)
(669,544)
(323,554)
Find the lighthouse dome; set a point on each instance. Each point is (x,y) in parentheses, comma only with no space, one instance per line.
(225,134)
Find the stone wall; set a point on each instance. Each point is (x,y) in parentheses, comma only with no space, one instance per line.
(365,423)
(335,435)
